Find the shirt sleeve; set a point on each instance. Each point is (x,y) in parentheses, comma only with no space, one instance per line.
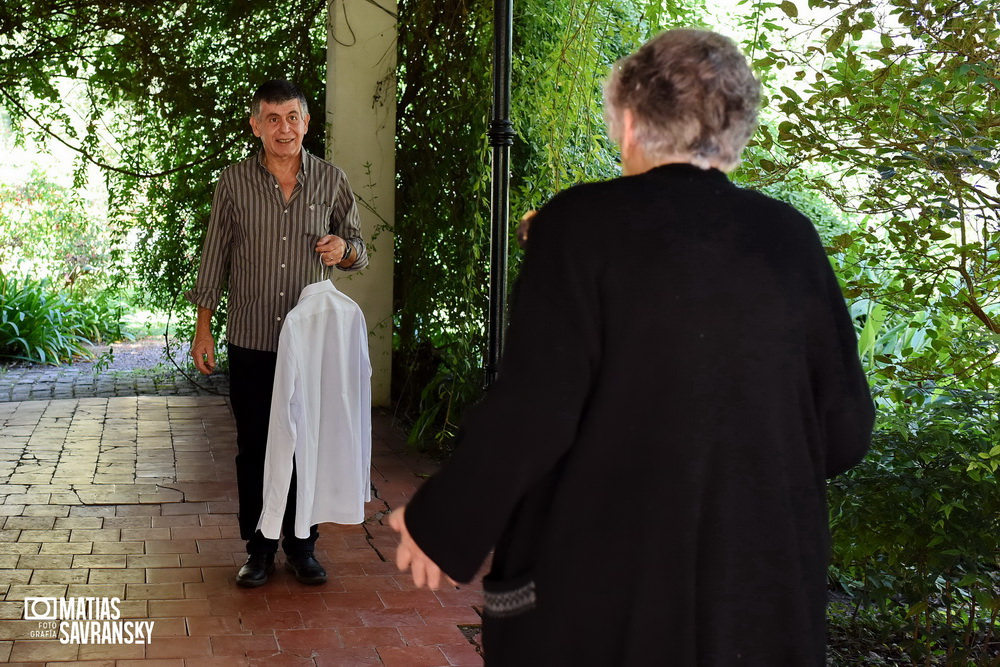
(345,222)
(216,252)
(282,437)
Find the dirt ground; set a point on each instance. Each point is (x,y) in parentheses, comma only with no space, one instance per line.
(140,353)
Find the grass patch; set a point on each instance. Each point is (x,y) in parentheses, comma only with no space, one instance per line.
(144,324)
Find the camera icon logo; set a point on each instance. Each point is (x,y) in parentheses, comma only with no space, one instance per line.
(40,609)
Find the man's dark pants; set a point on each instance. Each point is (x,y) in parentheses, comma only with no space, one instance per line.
(251,379)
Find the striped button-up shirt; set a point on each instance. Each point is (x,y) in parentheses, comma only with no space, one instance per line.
(260,246)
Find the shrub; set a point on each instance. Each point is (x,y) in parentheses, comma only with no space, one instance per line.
(916,530)
(51,232)
(40,324)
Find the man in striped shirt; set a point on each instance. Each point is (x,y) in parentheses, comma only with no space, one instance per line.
(280,220)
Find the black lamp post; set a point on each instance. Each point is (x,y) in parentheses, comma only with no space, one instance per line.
(501,134)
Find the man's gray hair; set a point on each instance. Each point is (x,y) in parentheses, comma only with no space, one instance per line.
(691,93)
(276,92)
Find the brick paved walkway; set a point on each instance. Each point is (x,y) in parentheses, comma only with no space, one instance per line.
(32,383)
(133,497)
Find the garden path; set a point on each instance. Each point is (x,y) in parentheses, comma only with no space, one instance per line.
(136,368)
(121,484)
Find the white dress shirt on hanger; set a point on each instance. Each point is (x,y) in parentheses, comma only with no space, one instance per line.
(320,414)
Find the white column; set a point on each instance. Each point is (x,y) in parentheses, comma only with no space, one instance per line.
(361,134)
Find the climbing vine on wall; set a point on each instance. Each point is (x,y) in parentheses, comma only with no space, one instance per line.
(563,50)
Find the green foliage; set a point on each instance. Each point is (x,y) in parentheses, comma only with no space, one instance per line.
(893,108)
(50,235)
(41,324)
(917,528)
(160,100)
(49,232)
(442,221)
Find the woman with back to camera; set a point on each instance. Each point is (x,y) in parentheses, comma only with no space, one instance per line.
(679,381)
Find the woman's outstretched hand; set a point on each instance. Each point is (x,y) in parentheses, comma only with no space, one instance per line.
(410,557)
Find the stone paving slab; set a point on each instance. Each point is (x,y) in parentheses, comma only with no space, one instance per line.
(133,498)
(32,383)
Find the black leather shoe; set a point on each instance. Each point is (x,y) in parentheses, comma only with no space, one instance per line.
(255,571)
(306,569)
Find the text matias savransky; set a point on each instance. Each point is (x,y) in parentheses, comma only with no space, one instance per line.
(85,620)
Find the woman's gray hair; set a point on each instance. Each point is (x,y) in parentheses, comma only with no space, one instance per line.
(691,93)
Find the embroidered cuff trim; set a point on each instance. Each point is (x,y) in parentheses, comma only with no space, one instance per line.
(509,603)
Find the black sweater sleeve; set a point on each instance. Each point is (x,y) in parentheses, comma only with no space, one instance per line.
(530,415)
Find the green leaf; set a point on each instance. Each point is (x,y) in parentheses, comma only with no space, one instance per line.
(791,94)
(836,40)
(869,333)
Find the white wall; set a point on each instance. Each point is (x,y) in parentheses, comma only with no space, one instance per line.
(361,132)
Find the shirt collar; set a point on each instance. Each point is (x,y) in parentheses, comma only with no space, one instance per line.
(307,159)
(317,288)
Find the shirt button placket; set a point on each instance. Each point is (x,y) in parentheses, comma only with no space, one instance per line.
(284,237)
(285,259)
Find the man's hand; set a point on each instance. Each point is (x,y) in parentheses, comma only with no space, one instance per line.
(331,249)
(203,345)
(203,353)
(410,557)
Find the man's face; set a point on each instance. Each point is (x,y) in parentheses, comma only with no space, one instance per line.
(281,128)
